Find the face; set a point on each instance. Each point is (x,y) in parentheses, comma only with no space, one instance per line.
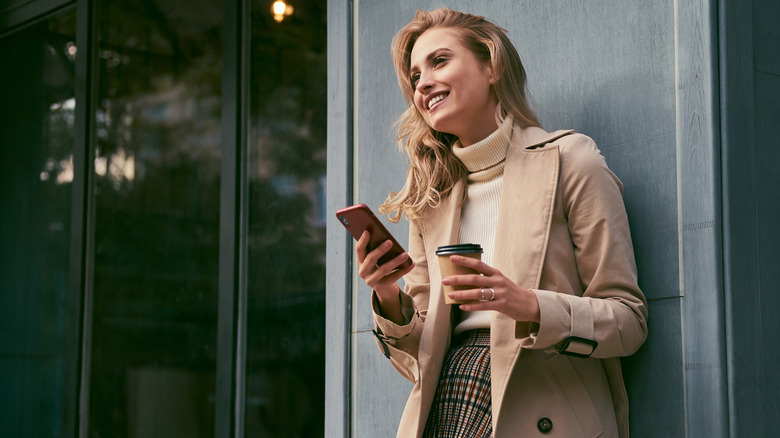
(452,88)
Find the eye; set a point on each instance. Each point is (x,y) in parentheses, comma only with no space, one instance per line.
(439,60)
(414,79)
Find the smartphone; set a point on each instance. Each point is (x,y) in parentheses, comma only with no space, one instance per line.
(358,218)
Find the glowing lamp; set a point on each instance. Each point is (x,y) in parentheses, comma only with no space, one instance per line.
(280,10)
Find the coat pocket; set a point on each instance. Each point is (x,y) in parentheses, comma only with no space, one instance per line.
(576,393)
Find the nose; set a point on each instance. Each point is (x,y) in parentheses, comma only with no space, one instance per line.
(424,83)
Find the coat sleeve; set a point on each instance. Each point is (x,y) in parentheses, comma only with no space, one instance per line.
(400,343)
(611,313)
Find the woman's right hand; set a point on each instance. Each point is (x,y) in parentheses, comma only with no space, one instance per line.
(383,279)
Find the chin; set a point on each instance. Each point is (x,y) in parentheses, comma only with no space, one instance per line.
(440,125)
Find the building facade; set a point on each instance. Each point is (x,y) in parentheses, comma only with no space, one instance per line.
(171,265)
(681,97)
(163,265)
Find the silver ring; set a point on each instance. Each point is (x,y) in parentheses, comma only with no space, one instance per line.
(482,298)
(493,295)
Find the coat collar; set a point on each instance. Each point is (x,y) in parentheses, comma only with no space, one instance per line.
(534,137)
(445,218)
(525,215)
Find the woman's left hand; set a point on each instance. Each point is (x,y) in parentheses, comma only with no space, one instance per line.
(492,291)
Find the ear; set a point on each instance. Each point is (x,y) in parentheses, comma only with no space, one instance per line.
(493,78)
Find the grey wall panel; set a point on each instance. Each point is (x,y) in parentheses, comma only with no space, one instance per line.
(700,218)
(750,112)
(379,391)
(654,376)
(742,285)
(650,195)
(767,119)
(606,69)
(339,244)
(636,77)
(380,166)
(766,36)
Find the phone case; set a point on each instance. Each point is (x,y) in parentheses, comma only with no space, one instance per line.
(358,218)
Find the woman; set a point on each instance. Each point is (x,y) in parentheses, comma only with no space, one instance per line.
(556,301)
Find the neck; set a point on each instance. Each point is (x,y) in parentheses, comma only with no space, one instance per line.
(482,126)
(466,142)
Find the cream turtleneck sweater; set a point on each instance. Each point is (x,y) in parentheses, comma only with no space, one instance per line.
(485,163)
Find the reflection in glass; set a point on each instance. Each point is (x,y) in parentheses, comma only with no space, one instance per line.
(38,355)
(286,279)
(156,171)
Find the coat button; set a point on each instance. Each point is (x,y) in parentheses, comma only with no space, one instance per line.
(544,425)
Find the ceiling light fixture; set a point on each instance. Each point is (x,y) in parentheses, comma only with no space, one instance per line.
(281,10)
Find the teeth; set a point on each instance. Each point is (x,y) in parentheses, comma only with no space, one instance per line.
(436,99)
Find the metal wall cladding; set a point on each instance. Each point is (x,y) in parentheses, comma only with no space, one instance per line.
(637,77)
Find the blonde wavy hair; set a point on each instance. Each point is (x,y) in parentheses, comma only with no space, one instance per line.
(433,168)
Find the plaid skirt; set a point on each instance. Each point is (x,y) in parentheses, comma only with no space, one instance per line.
(461,407)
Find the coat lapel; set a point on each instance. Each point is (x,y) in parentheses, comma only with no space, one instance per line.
(441,228)
(525,212)
(526,207)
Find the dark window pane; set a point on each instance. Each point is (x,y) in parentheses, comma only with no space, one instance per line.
(158,136)
(38,348)
(286,279)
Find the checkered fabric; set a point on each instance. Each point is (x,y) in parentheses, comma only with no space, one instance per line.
(461,407)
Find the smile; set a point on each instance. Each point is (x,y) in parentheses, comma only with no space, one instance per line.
(436,99)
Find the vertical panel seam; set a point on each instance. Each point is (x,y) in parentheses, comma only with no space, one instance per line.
(680,237)
(84,144)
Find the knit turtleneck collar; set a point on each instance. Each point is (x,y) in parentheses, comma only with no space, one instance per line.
(488,152)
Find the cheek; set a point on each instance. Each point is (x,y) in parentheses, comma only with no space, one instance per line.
(418,105)
(418,101)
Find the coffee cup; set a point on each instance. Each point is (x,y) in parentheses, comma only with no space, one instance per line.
(447,268)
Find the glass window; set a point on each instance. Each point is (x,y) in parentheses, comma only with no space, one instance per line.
(38,326)
(285,362)
(157,172)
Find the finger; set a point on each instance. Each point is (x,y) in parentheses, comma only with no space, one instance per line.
(392,265)
(395,276)
(475,280)
(372,258)
(478,305)
(361,247)
(475,264)
(370,262)
(384,274)
(468,294)
(476,299)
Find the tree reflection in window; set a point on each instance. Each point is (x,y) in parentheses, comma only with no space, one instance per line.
(287,160)
(157,173)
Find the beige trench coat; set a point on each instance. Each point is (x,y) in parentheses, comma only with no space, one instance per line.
(563,232)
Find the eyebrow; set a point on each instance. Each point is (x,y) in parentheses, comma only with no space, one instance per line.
(428,58)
